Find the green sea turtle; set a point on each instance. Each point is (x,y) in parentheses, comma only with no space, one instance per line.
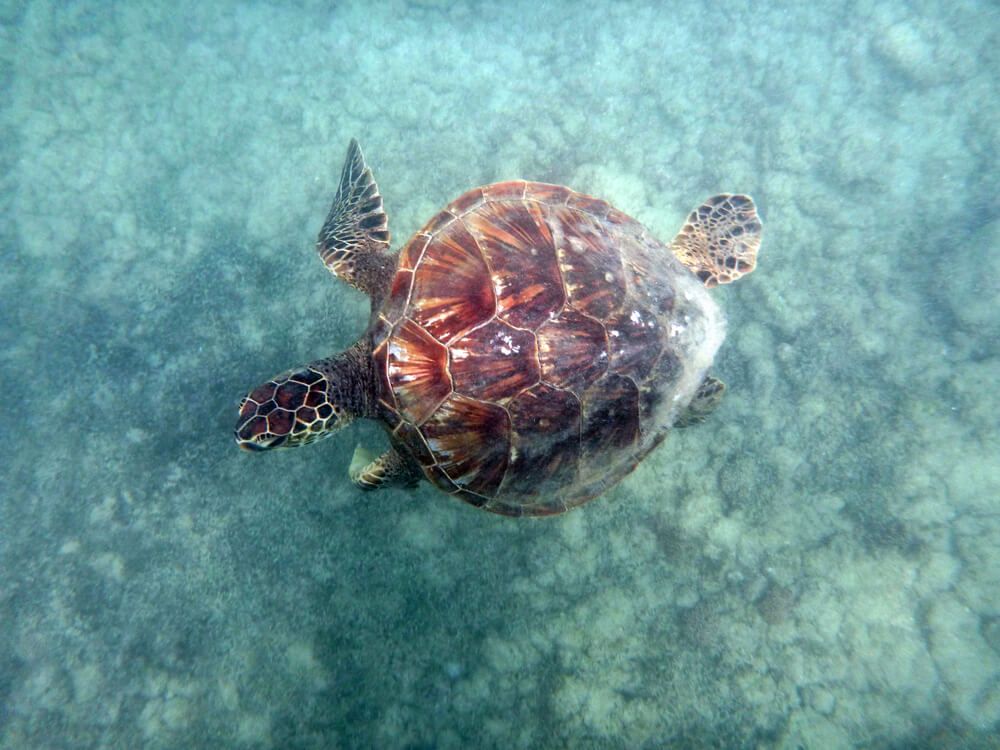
(526,348)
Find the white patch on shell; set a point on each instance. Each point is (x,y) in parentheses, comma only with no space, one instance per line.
(505,344)
(695,337)
(678,327)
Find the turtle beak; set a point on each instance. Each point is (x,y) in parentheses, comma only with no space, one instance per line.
(257,443)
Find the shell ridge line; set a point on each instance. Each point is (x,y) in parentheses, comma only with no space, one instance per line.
(555,230)
(428,238)
(486,262)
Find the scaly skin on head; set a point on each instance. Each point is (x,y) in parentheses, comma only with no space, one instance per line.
(303,405)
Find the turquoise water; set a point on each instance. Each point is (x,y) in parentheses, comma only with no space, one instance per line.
(816,566)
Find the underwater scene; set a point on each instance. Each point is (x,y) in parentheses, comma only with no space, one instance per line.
(816,564)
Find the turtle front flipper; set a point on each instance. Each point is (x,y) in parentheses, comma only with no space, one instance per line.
(388,469)
(354,240)
(706,400)
(720,239)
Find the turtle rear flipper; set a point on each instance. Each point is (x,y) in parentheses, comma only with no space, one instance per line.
(706,399)
(389,469)
(720,239)
(354,240)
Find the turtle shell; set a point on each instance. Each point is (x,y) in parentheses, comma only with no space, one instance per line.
(534,345)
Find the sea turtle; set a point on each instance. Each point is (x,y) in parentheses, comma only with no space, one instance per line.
(526,348)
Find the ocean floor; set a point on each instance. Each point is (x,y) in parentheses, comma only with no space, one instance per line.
(817,566)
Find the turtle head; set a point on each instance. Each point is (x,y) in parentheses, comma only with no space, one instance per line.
(291,409)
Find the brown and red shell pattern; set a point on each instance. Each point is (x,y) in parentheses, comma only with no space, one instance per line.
(521,347)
